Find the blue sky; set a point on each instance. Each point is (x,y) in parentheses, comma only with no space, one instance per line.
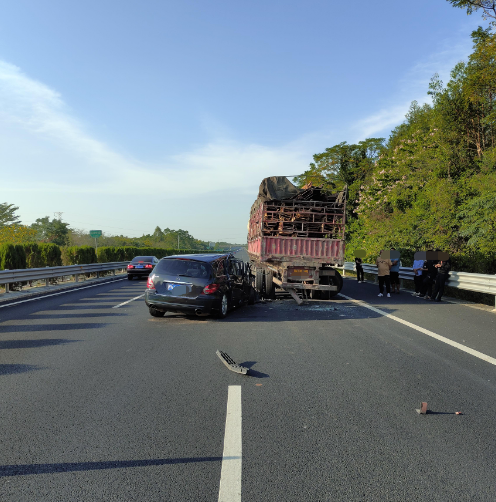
(127,115)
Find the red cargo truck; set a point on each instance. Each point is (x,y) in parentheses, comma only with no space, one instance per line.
(296,238)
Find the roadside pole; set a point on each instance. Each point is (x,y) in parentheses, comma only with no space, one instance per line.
(95,234)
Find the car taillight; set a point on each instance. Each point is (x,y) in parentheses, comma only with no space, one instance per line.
(211,288)
(149,283)
(130,266)
(148,266)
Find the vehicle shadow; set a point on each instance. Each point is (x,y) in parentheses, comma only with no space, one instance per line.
(11,369)
(29,344)
(16,328)
(25,469)
(76,316)
(288,310)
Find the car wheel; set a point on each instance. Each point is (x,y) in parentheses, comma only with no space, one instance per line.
(223,308)
(129,277)
(156,313)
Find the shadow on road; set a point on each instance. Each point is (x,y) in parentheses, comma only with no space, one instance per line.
(253,373)
(29,344)
(11,369)
(287,310)
(84,306)
(75,316)
(51,327)
(23,470)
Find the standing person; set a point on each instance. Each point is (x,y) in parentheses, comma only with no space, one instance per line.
(395,274)
(430,270)
(443,268)
(359,269)
(383,267)
(418,265)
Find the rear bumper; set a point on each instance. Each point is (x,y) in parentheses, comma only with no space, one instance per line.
(299,285)
(189,305)
(141,272)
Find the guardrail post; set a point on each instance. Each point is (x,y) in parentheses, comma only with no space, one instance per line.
(76,277)
(113,272)
(6,285)
(98,275)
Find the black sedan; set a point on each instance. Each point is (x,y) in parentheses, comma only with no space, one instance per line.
(200,284)
(141,266)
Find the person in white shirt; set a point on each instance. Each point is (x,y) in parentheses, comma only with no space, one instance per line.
(418,265)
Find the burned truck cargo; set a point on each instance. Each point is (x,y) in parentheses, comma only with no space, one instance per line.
(296,238)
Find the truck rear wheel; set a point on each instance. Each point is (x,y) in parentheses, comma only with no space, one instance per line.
(259,281)
(270,289)
(332,280)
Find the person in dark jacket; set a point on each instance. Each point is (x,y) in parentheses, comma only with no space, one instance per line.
(443,268)
(429,273)
(359,269)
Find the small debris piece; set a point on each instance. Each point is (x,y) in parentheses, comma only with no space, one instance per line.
(231,364)
(458,413)
(423,409)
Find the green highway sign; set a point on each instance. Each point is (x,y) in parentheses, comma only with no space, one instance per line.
(95,233)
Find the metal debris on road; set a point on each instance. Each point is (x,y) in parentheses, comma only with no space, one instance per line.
(423,409)
(231,364)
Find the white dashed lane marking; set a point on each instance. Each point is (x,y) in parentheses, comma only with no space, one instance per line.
(129,301)
(230,476)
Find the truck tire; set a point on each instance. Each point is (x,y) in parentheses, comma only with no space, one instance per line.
(259,281)
(251,296)
(270,287)
(332,280)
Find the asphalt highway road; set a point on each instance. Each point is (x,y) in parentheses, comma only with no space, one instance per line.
(109,404)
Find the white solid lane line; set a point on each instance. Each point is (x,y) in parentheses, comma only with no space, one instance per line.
(427,332)
(129,301)
(230,477)
(59,293)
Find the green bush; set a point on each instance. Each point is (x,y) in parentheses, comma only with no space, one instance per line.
(21,256)
(33,255)
(127,253)
(12,257)
(51,255)
(36,255)
(81,255)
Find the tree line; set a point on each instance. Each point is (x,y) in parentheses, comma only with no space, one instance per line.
(432,183)
(55,231)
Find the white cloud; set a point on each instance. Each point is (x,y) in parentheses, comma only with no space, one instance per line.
(37,115)
(413,87)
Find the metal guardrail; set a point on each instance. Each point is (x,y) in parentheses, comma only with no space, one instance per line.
(47,273)
(480,283)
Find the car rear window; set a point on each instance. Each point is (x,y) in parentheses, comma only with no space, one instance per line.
(147,259)
(185,268)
